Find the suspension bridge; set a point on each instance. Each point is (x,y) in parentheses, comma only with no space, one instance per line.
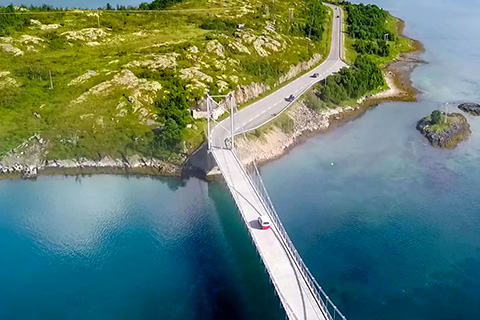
(300,294)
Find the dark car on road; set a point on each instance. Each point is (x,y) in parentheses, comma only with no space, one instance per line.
(315,75)
(290,98)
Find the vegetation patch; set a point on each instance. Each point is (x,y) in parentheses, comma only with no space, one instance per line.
(119,82)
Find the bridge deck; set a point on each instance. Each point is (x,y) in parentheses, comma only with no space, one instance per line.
(293,289)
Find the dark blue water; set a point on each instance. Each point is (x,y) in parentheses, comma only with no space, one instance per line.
(109,247)
(391,229)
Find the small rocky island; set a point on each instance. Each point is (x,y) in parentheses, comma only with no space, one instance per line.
(472,108)
(444,130)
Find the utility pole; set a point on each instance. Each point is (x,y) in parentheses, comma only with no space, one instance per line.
(290,14)
(267,11)
(232,106)
(98,18)
(446,112)
(51,82)
(208,124)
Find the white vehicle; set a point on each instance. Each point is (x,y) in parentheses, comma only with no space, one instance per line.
(264,222)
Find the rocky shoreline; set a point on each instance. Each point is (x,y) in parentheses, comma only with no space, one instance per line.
(471,108)
(455,131)
(133,165)
(29,160)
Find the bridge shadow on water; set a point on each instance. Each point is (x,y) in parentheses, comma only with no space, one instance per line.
(258,299)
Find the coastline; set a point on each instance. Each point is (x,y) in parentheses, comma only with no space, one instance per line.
(271,146)
(307,123)
(156,168)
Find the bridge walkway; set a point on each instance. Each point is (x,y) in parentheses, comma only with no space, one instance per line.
(292,285)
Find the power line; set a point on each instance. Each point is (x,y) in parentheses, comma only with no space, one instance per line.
(80,11)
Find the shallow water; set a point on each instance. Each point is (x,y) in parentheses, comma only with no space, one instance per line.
(391,229)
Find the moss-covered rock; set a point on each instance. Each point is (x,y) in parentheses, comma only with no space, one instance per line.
(447,132)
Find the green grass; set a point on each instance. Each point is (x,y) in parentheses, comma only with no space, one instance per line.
(445,123)
(93,128)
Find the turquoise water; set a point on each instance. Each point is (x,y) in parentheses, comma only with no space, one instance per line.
(109,247)
(391,229)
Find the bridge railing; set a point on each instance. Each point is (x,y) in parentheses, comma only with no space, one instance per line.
(325,303)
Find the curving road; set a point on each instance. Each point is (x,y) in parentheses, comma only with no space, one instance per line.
(268,108)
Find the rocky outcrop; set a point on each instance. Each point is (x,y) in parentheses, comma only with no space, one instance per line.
(243,93)
(295,70)
(41,26)
(82,78)
(448,136)
(11,49)
(6,81)
(262,43)
(155,61)
(472,108)
(214,46)
(88,34)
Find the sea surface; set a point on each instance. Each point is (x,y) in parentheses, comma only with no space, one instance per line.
(389,225)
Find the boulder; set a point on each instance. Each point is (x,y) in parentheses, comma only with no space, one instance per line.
(472,108)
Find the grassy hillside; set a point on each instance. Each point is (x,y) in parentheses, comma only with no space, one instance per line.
(97,83)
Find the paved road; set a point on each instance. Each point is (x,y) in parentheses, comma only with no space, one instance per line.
(272,105)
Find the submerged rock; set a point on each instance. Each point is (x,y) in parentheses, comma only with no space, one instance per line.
(472,108)
(448,134)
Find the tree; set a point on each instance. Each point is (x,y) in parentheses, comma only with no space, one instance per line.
(109,6)
(169,137)
(435,117)
(175,104)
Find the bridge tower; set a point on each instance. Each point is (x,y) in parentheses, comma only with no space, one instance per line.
(227,102)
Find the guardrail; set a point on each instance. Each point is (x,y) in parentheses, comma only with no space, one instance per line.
(325,303)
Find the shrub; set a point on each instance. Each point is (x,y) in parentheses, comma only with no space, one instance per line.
(12,22)
(265,69)
(175,104)
(435,117)
(351,83)
(313,102)
(169,137)
(218,24)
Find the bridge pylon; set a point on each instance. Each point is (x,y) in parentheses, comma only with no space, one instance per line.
(213,108)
